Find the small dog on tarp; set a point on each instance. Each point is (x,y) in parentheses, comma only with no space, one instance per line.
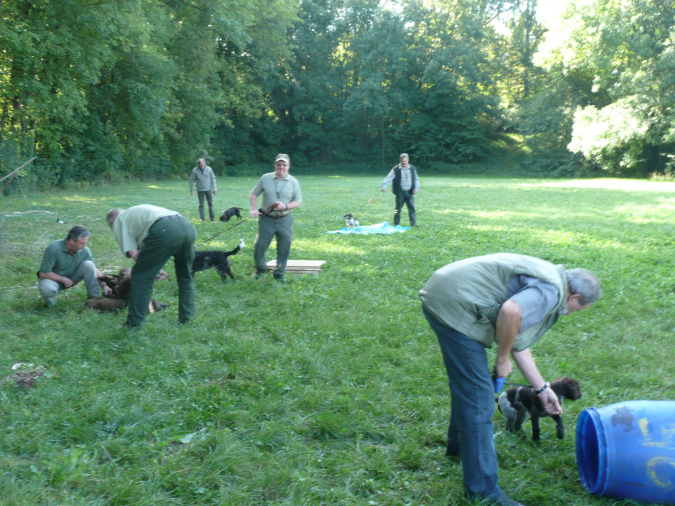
(120,284)
(516,403)
(351,221)
(217,260)
(229,213)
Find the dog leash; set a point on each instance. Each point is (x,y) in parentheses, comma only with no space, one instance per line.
(518,385)
(364,205)
(263,213)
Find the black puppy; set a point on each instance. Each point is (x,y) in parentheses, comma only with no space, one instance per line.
(516,403)
(232,211)
(216,259)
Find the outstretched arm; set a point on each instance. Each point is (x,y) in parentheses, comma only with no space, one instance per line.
(549,399)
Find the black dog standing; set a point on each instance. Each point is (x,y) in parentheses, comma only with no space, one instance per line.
(216,259)
(232,211)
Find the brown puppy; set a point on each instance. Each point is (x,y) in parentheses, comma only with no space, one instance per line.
(516,403)
(113,305)
(121,286)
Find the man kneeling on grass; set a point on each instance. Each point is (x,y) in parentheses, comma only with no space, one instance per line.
(65,263)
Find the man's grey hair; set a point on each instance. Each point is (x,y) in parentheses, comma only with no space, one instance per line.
(77,232)
(112,215)
(584,283)
(403,155)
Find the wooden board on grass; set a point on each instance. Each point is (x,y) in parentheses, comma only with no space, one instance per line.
(299,266)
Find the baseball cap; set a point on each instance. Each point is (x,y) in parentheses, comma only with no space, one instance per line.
(282,156)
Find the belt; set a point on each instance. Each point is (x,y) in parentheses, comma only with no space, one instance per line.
(274,217)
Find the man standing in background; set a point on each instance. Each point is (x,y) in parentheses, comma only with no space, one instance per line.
(405,187)
(203,175)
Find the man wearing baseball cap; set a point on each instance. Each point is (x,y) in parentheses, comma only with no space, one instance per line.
(281,194)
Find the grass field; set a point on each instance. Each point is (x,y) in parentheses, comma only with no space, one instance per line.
(327,389)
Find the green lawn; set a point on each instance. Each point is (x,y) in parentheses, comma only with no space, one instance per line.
(327,389)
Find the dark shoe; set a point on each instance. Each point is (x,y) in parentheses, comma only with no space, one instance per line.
(213,219)
(452,450)
(416,226)
(130,326)
(280,279)
(257,273)
(183,320)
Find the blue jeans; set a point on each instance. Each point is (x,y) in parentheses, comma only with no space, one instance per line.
(472,404)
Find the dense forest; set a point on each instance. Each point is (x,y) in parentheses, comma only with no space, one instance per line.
(109,89)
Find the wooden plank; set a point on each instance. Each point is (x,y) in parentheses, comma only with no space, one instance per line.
(300,266)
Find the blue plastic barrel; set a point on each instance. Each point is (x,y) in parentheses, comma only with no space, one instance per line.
(627,450)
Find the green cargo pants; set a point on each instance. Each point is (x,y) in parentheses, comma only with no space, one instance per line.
(173,236)
(268,228)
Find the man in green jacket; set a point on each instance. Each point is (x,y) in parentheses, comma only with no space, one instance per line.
(510,300)
(150,235)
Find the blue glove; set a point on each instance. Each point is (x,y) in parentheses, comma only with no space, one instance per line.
(498,384)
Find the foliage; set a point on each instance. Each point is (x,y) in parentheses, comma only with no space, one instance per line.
(138,89)
(328,389)
(620,55)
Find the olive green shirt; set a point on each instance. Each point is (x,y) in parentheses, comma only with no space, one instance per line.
(132,225)
(58,260)
(284,190)
(468,295)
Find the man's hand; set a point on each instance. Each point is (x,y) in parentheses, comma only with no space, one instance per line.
(214,191)
(67,282)
(192,192)
(415,191)
(384,189)
(550,401)
(106,290)
(255,213)
(133,254)
(279,206)
(161,275)
(502,368)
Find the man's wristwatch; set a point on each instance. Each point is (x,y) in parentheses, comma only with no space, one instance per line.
(543,389)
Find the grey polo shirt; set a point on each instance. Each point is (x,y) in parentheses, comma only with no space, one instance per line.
(205,179)
(273,189)
(58,260)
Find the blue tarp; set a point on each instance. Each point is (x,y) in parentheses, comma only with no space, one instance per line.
(380,228)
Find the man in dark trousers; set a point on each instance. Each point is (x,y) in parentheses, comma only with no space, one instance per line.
(405,187)
(205,179)
(281,194)
(150,235)
(510,301)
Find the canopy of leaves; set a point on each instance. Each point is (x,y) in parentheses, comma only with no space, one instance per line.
(105,90)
